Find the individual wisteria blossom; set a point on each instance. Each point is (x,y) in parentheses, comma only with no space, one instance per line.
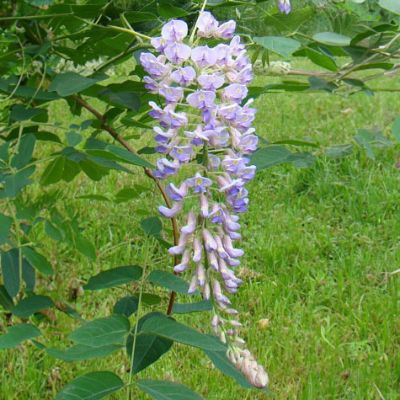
(204,127)
(284,6)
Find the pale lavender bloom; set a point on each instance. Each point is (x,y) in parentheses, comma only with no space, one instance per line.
(182,153)
(201,275)
(234,253)
(170,212)
(171,94)
(201,99)
(222,299)
(248,173)
(177,53)
(213,260)
(226,30)
(235,46)
(224,55)
(284,6)
(219,137)
(153,65)
(174,31)
(206,291)
(163,136)
(197,250)
(233,165)
(209,242)
(151,85)
(203,205)
(165,168)
(168,117)
(248,143)
(220,248)
(180,247)
(206,25)
(193,284)
(213,162)
(198,183)
(243,76)
(184,264)
(233,262)
(197,136)
(204,56)
(175,193)
(235,92)
(211,81)
(159,43)
(190,226)
(184,76)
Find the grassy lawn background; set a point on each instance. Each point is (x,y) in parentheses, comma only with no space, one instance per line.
(319,243)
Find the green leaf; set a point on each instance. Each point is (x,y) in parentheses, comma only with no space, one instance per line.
(114,277)
(170,329)
(18,334)
(266,157)
(149,348)
(370,139)
(221,361)
(151,299)
(25,151)
(53,172)
(152,226)
(127,306)
(128,157)
(93,170)
(31,305)
(69,83)
(302,160)
(129,193)
(102,331)
(184,308)
(5,226)
(321,59)
(5,300)
(13,184)
(22,113)
(169,11)
(82,352)
(28,275)
(85,246)
(395,132)
(332,39)
(10,270)
(278,44)
(168,280)
(37,260)
(339,151)
(52,231)
(92,386)
(391,5)
(164,390)
(126,99)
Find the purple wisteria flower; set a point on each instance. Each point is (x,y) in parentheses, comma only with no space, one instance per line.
(284,6)
(202,117)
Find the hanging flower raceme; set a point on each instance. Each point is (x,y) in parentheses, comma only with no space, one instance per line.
(204,126)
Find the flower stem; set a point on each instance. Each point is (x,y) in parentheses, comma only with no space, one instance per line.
(197,21)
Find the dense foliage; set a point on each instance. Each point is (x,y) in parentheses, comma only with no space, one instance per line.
(77,53)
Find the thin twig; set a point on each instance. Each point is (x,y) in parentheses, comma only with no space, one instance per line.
(147,171)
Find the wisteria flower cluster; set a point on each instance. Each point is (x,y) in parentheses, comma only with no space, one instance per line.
(204,131)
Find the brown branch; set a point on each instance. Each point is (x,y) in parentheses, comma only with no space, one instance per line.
(104,125)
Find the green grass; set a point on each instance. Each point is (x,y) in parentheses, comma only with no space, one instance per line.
(320,244)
